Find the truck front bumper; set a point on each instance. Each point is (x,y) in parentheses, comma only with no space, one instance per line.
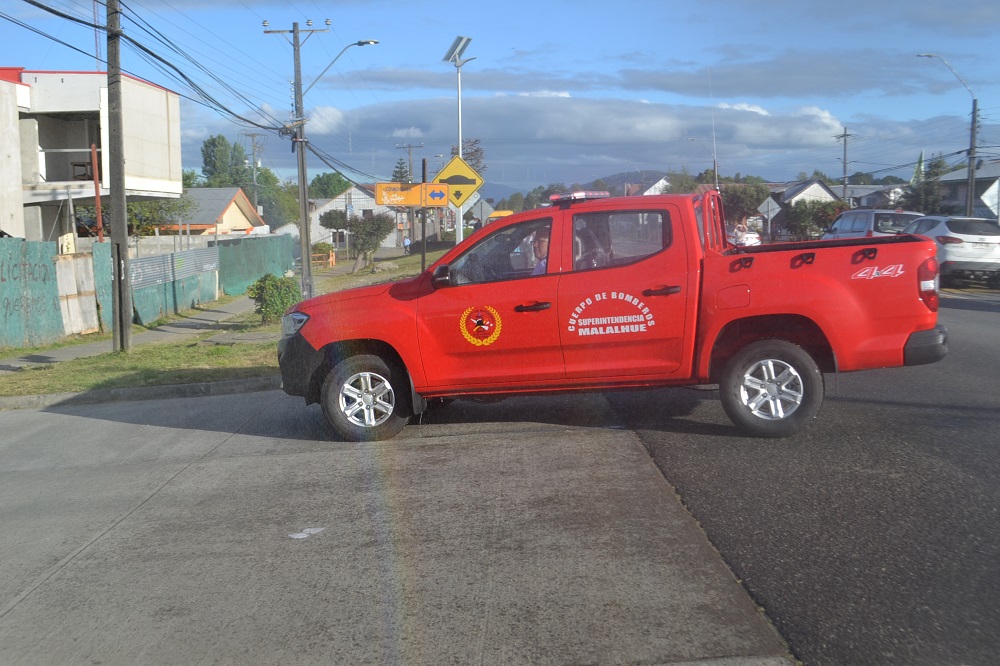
(927,346)
(298,361)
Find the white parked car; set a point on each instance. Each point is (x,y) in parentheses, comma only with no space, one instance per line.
(741,237)
(968,247)
(869,222)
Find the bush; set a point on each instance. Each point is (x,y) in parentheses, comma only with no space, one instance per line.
(322,248)
(273,296)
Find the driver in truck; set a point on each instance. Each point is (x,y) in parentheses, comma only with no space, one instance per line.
(540,246)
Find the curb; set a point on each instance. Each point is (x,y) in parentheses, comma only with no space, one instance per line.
(202,389)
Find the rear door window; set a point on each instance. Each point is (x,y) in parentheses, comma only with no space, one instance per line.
(892,223)
(973,227)
(617,238)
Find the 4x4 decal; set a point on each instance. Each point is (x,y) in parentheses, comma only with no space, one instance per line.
(871,272)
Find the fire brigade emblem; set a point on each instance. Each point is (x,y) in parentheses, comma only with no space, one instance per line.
(481,325)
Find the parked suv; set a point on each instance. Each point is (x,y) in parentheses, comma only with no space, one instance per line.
(869,222)
(968,248)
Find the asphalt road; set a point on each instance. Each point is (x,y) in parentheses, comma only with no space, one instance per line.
(874,536)
(230,529)
(545,530)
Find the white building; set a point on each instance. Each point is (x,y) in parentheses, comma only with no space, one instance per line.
(53,124)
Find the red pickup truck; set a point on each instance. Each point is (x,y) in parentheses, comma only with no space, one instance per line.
(593,294)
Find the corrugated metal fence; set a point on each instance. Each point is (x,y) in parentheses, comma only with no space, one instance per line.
(45,296)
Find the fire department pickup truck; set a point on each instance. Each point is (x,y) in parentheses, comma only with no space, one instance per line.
(595,294)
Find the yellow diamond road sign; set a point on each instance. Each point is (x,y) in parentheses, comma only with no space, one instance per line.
(461,180)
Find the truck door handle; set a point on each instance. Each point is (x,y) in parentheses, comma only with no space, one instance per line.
(662,291)
(534,307)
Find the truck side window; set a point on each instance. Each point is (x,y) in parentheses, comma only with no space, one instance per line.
(506,254)
(615,239)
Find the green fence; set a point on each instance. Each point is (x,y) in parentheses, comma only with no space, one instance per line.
(242,261)
(30,312)
(29,294)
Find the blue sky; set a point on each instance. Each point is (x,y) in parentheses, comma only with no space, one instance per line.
(565,91)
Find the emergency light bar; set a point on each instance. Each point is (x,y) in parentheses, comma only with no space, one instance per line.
(578,196)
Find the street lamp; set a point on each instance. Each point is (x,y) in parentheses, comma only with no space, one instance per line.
(715,163)
(299,141)
(454,56)
(361,42)
(971,194)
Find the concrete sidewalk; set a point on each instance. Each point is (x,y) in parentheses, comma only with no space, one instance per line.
(198,321)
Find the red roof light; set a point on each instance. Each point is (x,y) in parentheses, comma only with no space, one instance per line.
(578,196)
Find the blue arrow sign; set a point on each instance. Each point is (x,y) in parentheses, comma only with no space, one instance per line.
(437,194)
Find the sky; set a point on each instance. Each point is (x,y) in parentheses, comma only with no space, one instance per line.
(558,92)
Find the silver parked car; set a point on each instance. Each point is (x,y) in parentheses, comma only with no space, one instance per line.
(968,248)
(869,222)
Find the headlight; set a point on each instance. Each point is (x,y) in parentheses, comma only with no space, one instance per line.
(292,322)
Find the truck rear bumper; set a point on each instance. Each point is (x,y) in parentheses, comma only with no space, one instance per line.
(927,346)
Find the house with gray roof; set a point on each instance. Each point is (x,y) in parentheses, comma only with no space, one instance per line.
(219,210)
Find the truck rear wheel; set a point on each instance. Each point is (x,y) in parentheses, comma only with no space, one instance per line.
(363,399)
(771,389)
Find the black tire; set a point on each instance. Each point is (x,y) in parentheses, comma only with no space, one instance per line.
(365,399)
(772,388)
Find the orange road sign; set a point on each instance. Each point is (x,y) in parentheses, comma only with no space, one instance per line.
(423,195)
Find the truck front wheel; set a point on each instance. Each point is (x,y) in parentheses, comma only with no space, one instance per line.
(363,399)
(772,388)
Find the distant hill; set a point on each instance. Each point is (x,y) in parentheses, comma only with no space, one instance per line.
(618,180)
(498,192)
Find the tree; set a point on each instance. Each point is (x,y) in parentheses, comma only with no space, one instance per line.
(401,174)
(333,219)
(927,195)
(280,200)
(142,217)
(190,178)
(472,154)
(225,164)
(328,185)
(741,201)
(514,202)
(860,178)
(806,219)
(367,234)
(680,182)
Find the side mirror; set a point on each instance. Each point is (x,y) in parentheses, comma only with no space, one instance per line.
(441,277)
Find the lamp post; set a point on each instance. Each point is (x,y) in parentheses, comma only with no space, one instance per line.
(971,186)
(299,140)
(715,163)
(454,56)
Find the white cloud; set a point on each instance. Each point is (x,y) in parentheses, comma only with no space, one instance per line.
(325,120)
(407,133)
(742,106)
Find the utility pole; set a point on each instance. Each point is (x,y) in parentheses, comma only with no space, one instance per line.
(299,144)
(121,302)
(255,148)
(408,147)
(970,202)
(844,138)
